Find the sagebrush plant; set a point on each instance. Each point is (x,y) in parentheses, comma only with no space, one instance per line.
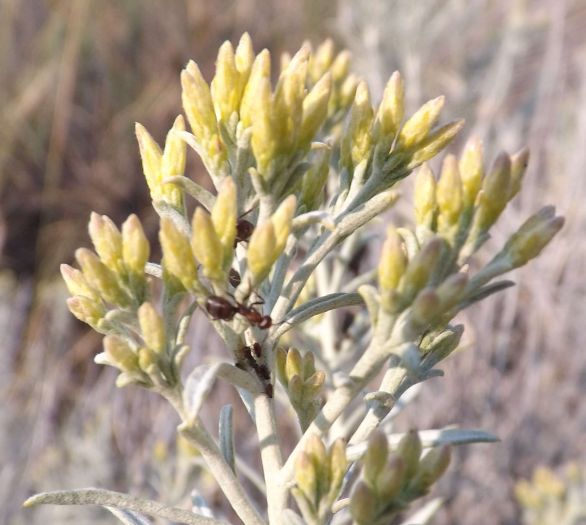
(273,255)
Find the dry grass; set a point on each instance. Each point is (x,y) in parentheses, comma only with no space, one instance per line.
(76,75)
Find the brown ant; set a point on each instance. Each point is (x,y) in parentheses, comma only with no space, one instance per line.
(244,229)
(220,308)
(234,278)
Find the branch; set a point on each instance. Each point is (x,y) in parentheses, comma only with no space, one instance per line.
(109,498)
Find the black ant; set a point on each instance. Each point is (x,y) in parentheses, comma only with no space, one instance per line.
(221,309)
(244,229)
(251,354)
(234,278)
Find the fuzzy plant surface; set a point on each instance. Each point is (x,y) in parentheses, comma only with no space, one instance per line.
(303,172)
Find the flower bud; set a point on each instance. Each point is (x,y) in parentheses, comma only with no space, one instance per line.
(152,327)
(244,58)
(173,163)
(281,365)
(314,180)
(392,107)
(409,449)
(449,193)
(225,87)
(152,159)
(471,170)
(419,125)
(293,364)
(281,221)
(435,142)
(206,245)
(375,457)
(431,467)
(393,261)
(496,189)
(86,310)
(76,283)
(315,109)
(391,479)
(451,290)
(135,246)
(519,163)
(308,364)
(259,74)
(425,307)
(178,258)
(265,139)
(100,277)
(425,196)
(225,217)
(341,66)
(313,385)
(357,140)
(197,103)
(118,352)
(306,476)
(261,248)
(321,60)
(421,266)
(107,241)
(363,504)
(148,361)
(337,466)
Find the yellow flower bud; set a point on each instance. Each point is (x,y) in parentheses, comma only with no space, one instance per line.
(341,66)
(393,261)
(431,467)
(197,103)
(321,60)
(225,217)
(337,466)
(281,362)
(293,364)
(347,91)
(449,194)
(107,241)
(76,283)
(391,109)
(264,138)
(206,245)
(152,159)
(135,246)
(152,327)
(435,142)
(391,479)
(225,86)
(419,125)
(120,354)
(496,188)
(281,220)
(148,361)
(471,170)
(173,162)
(533,236)
(259,74)
(425,196)
(308,367)
(357,140)
(100,277)
(86,310)
(178,258)
(261,249)
(313,385)
(421,266)
(315,109)
(244,58)
(306,476)
(519,163)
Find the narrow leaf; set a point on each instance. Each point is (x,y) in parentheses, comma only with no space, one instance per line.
(226,436)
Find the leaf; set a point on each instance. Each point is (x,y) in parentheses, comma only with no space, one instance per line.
(226,436)
(109,498)
(486,291)
(198,192)
(197,387)
(449,436)
(424,515)
(128,517)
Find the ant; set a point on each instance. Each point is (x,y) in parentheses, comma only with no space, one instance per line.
(244,229)
(251,354)
(221,309)
(234,278)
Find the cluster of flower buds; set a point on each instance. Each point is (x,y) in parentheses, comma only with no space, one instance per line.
(113,276)
(377,144)
(390,481)
(548,499)
(302,382)
(147,360)
(319,474)
(240,122)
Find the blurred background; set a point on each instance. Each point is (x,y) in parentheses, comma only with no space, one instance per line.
(74,77)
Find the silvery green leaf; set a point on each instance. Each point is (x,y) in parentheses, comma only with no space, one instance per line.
(199,193)
(424,515)
(128,517)
(449,436)
(197,386)
(411,243)
(226,436)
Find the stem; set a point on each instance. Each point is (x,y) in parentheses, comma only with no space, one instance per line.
(270,453)
(196,433)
